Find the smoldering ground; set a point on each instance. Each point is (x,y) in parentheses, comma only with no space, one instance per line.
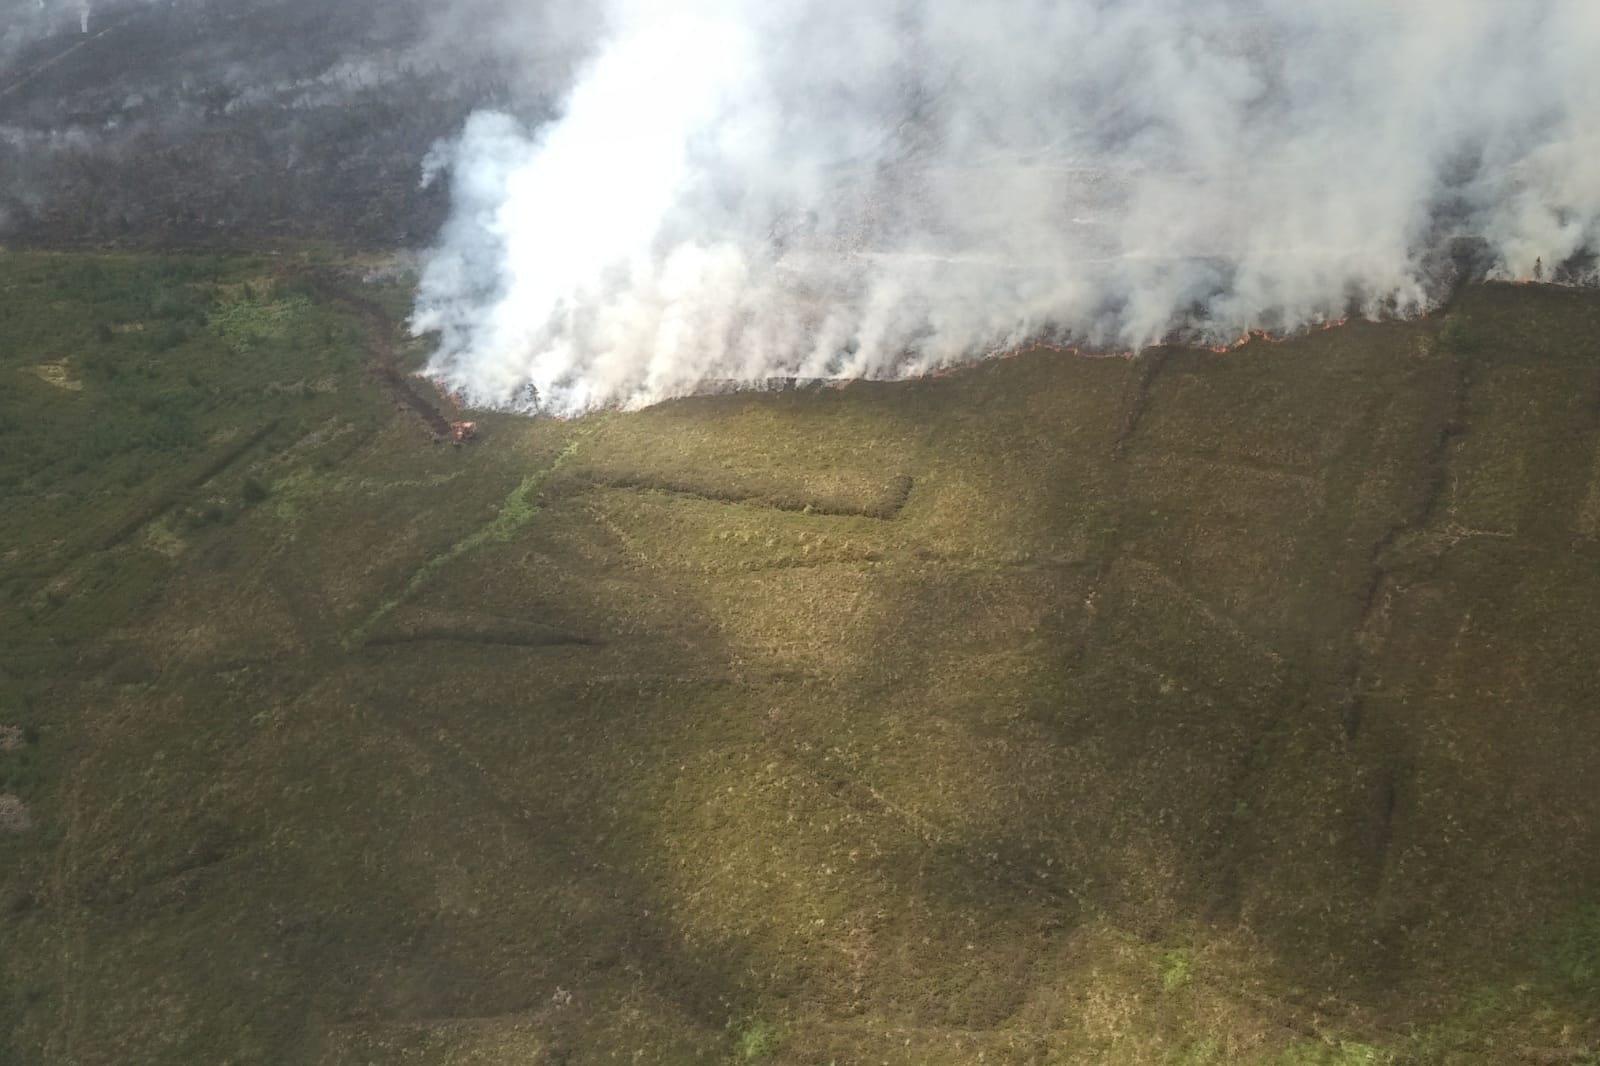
(744,191)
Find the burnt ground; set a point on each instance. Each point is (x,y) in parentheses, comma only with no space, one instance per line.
(221,121)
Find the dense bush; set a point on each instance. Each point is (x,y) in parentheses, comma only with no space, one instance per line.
(253,491)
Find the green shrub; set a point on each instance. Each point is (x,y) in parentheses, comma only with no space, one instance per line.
(166,338)
(248,323)
(253,491)
(1574,953)
(1177,969)
(204,515)
(754,1040)
(1460,336)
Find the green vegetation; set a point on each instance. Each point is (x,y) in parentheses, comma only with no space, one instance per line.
(517,511)
(253,491)
(1201,710)
(247,321)
(118,382)
(1573,956)
(1342,1053)
(20,761)
(754,1040)
(1460,335)
(1177,969)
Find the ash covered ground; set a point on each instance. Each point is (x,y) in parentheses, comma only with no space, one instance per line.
(219,121)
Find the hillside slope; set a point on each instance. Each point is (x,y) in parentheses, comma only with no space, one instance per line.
(1189,709)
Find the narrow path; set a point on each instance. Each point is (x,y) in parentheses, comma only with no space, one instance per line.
(519,508)
(383,359)
(167,500)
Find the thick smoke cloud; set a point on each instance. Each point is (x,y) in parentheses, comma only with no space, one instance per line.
(739,190)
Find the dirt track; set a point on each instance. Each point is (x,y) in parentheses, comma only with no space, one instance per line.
(382,354)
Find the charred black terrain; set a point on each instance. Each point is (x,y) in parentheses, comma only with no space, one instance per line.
(232,123)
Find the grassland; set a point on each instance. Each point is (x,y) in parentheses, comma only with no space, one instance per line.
(1191,709)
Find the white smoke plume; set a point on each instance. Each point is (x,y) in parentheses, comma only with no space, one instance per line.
(747,190)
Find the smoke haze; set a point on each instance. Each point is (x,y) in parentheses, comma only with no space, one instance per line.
(197,121)
(739,191)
